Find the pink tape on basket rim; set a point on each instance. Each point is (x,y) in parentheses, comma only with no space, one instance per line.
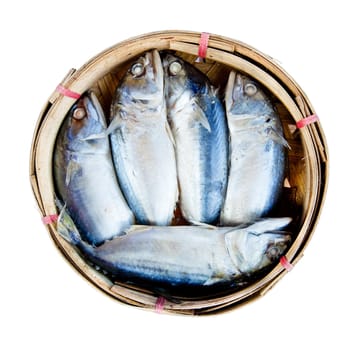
(159,305)
(49,219)
(286,264)
(203,45)
(68,93)
(306,121)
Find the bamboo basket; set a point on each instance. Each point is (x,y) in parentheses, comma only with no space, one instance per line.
(306,178)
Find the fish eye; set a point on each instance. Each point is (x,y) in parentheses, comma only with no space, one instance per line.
(79,113)
(174,68)
(137,70)
(250,89)
(273,252)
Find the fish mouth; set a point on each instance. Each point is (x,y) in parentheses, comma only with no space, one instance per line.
(93,108)
(153,60)
(229,98)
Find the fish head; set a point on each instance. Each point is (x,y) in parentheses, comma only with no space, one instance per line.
(258,245)
(247,102)
(261,250)
(181,78)
(143,82)
(84,120)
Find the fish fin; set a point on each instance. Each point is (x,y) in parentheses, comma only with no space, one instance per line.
(119,120)
(170,134)
(66,227)
(97,136)
(114,124)
(202,224)
(213,280)
(278,137)
(136,229)
(72,168)
(215,92)
(59,203)
(200,116)
(269,224)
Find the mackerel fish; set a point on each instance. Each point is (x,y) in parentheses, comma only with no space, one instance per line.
(185,256)
(197,119)
(141,141)
(257,152)
(84,174)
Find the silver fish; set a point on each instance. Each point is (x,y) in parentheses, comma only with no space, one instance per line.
(257,152)
(84,174)
(181,256)
(199,127)
(141,142)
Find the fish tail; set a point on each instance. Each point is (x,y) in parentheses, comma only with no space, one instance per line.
(278,137)
(67,228)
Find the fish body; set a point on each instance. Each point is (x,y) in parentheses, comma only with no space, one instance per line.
(142,147)
(257,152)
(197,119)
(181,256)
(84,175)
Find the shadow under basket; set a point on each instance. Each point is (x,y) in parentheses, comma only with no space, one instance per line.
(307,167)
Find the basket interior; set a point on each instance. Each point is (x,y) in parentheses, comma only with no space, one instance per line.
(294,197)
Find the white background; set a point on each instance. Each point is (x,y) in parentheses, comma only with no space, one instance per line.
(45,304)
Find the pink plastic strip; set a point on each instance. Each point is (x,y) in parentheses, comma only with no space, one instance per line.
(159,305)
(49,219)
(286,264)
(203,45)
(66,92)
(306,121)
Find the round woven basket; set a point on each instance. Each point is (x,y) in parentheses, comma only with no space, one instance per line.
(307,172)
